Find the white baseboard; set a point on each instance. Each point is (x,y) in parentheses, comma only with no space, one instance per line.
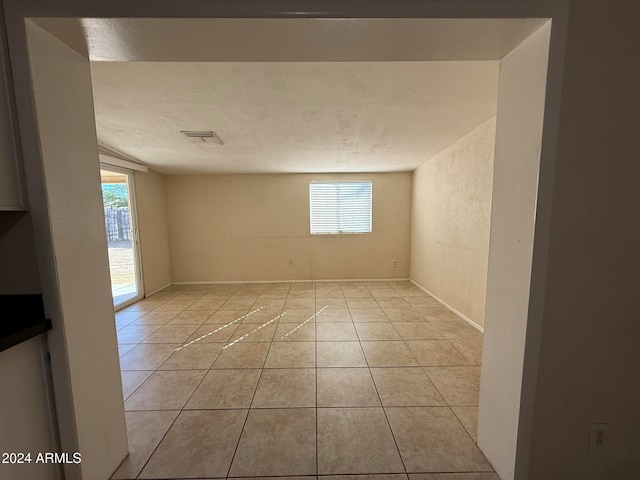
(449,307)
(219,282)
(235,282)
(157,290)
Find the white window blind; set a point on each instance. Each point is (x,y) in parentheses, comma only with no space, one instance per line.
(340,207)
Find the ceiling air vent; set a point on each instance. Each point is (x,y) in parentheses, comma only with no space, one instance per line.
(202,137)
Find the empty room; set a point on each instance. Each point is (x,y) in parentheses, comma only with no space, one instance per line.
(290,319)
(282,247)
(311,237)
(289,295)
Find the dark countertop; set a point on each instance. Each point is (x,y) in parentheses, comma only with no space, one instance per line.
(27,322)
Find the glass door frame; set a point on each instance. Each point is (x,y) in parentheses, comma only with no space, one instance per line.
(135,235)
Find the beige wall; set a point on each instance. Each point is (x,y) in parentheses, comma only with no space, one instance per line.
(521,97)
(77,291)
(590,340)
(247,227)
(590,333)
(450,220)
(153,230)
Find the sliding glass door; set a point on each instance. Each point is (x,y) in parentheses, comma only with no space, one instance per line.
(122,235)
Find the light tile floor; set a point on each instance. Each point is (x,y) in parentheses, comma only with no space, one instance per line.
(299,380)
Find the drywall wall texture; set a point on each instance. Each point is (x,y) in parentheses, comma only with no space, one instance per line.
(84,327)
(521,97)
(248,227)
(450,221)
(589,352)
(153,231)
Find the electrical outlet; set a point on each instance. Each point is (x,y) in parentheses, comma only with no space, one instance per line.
(291,263)
(394,263)
(598,436)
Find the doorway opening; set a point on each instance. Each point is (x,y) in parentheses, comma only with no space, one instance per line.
(68,320)
(122,235)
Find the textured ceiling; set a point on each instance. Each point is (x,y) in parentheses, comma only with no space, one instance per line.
(290,117)
(290,95)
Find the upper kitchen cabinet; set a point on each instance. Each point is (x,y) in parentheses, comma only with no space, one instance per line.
(11,191)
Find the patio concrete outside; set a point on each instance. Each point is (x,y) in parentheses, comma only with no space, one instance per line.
(121,266)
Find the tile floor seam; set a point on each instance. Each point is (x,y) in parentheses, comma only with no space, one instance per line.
(124,399)
(146,336)
(179,413)
(315,345)
(357,285)
(462,353)
(434,384)
(424,369)
(409,348)
(383,409)
(183,369)
(465,428)
(246,418)
(139,386)
(158,445)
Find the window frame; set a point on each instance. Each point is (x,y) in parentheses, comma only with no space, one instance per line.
(339,182)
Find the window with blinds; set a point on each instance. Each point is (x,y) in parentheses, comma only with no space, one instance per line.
(340,207)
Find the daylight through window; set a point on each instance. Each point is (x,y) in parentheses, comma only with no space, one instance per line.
(340,207)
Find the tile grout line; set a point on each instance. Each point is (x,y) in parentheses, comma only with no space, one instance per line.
(325,407)
(471,364)
(246,418)
(475,442)
(451,407)
(177,416)
(255,330)
(175,419)
(219,329)
(146,379)
(158,444)
(182,409)
(423,368)
(315,350)
(384,410)
(168,429)
(137,344)
(315,341)
(336,407)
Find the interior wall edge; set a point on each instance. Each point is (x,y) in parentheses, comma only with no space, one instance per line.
(222,282)
(493,116)
(451,221)
(88,369)
(448,307)
(158,290)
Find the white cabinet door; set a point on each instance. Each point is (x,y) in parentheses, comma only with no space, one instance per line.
(10,181)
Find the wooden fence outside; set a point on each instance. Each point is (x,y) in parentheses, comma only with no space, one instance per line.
(118,224)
